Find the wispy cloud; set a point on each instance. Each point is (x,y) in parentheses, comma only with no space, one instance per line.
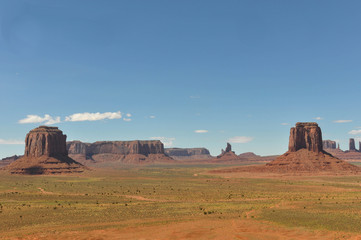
(201,131)
(11,142)
(128,115)
(342,121)
(318,118)
(285,124)
(152,117)
(194,97)
(167,141)
(355,132)
(127,119)
(240,139)
(80,117)
(47,119)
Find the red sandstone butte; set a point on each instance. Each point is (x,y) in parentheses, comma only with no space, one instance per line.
(45,153)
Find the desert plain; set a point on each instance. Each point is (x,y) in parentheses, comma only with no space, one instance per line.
(179,202)
(134,190)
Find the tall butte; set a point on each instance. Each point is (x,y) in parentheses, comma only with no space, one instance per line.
(305,153)
(45,153)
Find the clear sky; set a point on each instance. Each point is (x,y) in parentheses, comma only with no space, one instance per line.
(241,71)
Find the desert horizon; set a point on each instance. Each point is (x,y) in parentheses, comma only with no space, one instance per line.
(158,120)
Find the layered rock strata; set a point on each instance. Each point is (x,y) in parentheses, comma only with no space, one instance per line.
(305,153)
(131,152)
(45,153)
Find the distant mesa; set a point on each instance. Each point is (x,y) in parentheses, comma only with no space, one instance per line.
(306,154)
(8,160)
(329,144)
(45,153)
(122,152)
(188,153)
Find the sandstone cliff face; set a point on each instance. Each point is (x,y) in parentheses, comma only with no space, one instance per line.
(45,140)
(45,153)
(328,144)
(306,154)
(118,151)
(305,135)
(187,153)
(352,145)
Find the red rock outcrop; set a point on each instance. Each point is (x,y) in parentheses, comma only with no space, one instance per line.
(352,146)
(130,152)
(328,144)
(45,153)
(305,135)
(306,154)
(229,155)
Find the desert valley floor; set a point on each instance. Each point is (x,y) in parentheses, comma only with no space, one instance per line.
(179,202)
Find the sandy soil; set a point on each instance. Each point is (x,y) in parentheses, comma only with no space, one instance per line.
(200,229)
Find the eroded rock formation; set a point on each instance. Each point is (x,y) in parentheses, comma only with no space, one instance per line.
(131,152)
(188,153)
(328,144)
(305,136)
(45,153)
(306,154)
(352,145)
(229,155)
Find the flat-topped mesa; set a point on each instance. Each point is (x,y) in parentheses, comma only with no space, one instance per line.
(45,153)
(116,147)
(49,141)
(352,146)
(328,144)
(306,135)
(188,153)
(129,152)
(306,154)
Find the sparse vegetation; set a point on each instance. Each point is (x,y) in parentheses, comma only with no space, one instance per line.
(34,204)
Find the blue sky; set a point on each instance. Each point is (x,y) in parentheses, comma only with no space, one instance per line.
(244,71)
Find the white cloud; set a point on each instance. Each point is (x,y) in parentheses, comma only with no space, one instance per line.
(152,117)
(318,118)
(128,115)
(355,132)
(168,142)
(47,119)
(342,121)
(127,119)
(80,117)
(240,139)
(285,124)
(11,142)
(201,131)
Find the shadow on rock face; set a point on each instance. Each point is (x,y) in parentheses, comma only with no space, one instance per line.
(35,170)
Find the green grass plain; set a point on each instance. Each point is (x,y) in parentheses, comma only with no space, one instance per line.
(145,195)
